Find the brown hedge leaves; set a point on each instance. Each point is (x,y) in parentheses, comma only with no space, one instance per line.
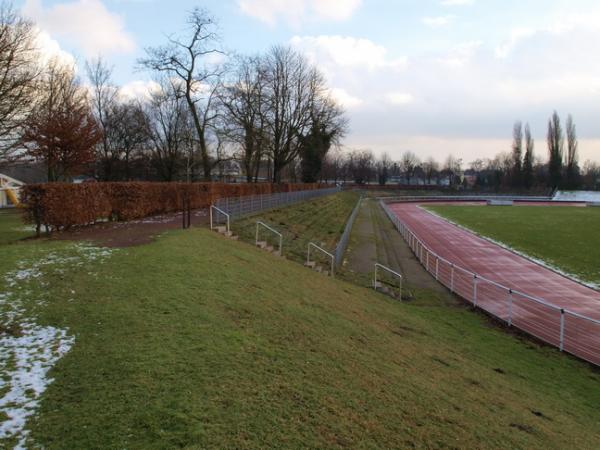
(60,206)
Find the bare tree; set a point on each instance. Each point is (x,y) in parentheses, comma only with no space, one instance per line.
(244,102)
(409,163)
(188,59)
(127,127)
(556,143)
(452,168)
(169,128)
(104,100)
(517,155)
(528,160)
(430,167)
(360,166)
(384,165)
(295,89)
(19,72)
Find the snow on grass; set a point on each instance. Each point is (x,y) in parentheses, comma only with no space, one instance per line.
(28,351)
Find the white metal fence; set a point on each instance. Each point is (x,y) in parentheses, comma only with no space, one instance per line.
(237,207)
(343,243)
(569,331)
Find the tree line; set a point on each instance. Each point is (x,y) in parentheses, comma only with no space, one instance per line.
(271,113)
(517,170)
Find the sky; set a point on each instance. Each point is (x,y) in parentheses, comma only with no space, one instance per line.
(435,77)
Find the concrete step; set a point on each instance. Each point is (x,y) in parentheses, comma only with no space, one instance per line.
(377,285)
(221,229)
(228,234)
(269,249)
(311,264)
(261,244)
(234,238)
(319,269)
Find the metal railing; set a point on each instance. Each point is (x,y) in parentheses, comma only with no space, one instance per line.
(397,275)
(569,331)
(272,230)
(216,219)
(466,198)
(343,243)
(325,252)
(238,207)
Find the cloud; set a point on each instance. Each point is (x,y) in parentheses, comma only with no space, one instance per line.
(334,52)
(49,49)
(297,11)
(345,99)
(138,90)
(86,24)
(439,21)
(399,98)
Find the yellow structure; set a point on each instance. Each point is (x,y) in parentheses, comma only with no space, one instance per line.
(9,191)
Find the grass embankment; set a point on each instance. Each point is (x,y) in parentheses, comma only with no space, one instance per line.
(321,221)
(565,237)
(195,341)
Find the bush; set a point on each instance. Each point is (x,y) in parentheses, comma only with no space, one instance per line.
(60,206)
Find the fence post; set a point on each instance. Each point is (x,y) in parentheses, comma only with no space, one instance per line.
(452,278)
(562,329)
(474,290)
(510,307)
(437,268)
(427,260)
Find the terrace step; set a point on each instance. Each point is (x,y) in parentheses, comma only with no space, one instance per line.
(269,249)
(310,264)
(221,229)
(261,244)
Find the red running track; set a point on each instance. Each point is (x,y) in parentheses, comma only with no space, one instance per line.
(581,337)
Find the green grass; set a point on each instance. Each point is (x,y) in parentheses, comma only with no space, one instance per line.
(12,227)
(565,237)
(321,221)
(195,341)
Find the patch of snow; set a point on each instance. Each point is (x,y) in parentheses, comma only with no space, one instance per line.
(28,351)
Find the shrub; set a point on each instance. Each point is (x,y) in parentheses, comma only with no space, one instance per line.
(60,206)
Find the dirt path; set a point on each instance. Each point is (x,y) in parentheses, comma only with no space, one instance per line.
(128,234)
(374,239)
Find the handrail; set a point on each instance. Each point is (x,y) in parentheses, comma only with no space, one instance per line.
(219,210)
(418,247)
(274,231)
(393,272)
(332,257)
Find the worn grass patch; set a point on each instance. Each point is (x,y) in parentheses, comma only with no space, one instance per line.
(565,237)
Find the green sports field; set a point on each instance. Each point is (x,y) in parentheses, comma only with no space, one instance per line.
(566,237)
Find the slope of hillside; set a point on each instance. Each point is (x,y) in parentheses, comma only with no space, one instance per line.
(196,341)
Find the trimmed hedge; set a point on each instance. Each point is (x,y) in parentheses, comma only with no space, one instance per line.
(60,206)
